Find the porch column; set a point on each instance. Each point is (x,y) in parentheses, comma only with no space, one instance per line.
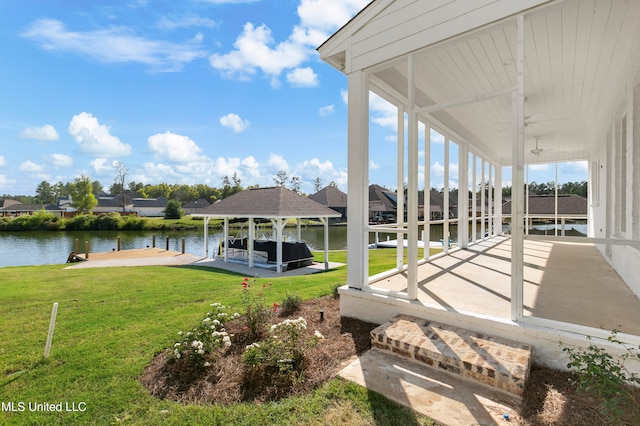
(517,164)
(250,239)
(463,195)
(426,234)
(474,199)
(445,198)
(299,230)
(357,188)
(483,199)
(412,192)
(497,208)
(400,190)
(206,236)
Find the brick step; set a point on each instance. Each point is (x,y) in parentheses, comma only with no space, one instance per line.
(497,362)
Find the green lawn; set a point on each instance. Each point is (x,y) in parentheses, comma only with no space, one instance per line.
(112,321)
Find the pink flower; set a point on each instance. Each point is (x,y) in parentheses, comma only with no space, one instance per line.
(245,328)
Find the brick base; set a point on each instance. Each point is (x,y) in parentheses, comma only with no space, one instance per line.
(500,363)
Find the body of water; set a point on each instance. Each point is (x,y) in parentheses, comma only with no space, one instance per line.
(53,247)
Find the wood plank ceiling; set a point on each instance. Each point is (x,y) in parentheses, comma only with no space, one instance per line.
(574,50)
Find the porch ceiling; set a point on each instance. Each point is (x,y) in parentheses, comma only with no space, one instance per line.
(576,54)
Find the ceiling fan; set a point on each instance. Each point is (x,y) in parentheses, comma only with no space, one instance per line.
(536,150)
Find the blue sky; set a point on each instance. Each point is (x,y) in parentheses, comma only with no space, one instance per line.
(180,92)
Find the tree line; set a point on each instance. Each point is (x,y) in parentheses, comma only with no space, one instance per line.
(83,191)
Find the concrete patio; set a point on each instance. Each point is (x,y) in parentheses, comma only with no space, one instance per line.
(565,282)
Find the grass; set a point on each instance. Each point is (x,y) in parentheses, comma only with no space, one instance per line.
(112,321)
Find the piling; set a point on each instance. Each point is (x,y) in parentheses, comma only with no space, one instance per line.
(118,243)
(153,241)
(167,244)
(86,250)
(183,246)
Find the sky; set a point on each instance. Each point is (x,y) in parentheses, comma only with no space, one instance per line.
(180,92)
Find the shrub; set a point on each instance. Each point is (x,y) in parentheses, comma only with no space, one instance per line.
(134,223)
(290,304)
(110,221)
(607,378)
(81,222)
(334,290)
(173,210)
(200,343)
(258,313)
(283,351)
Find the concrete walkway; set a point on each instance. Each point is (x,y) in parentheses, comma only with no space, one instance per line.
(442,397)
(161,257)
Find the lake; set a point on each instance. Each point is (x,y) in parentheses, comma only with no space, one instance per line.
(53,247)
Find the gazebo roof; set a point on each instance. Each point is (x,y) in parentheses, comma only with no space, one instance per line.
(271,202)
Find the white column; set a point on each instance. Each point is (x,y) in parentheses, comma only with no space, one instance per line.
(206,236)
(497,208)
(445,197)
(474,199)
(358,164)
(412,192)
(483,200)
(400,191)
(427,190)
(225,235)
(250,239)
(299,231)
(489,201)
(278,225)
(463,195)
(517,164)
(325,222)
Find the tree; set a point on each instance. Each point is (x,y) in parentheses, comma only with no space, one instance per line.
(317,184)
(173,210)
(281,178)
(44,193)
(82,198)
(295,184)
(121,175)
(97,187)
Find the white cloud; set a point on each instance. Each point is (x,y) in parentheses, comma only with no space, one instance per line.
(278,162)
(302,77)
(382,112)
(326,110)
(252,167)
(234,122)
(344,94)
(538,167)
(30,166)
(43,133)
(61,160)
(373,165)
(316,165)
(256,49)
(114,45)
(95,138)
(436,137)
(6,182)
(100,165)
(174,148)
(187,21)
(3,162)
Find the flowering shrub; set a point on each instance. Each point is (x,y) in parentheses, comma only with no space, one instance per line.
(204,338)
(283,350)
(258,313)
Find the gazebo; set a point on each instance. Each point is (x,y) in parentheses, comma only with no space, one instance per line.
(274,204)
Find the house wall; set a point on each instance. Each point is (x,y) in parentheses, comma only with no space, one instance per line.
(407,25)
(615,176)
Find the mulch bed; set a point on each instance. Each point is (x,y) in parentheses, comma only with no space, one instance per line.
(549,399)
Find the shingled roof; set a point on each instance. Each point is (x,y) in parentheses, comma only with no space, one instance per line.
(271,202)
(330,196)
(568,204)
